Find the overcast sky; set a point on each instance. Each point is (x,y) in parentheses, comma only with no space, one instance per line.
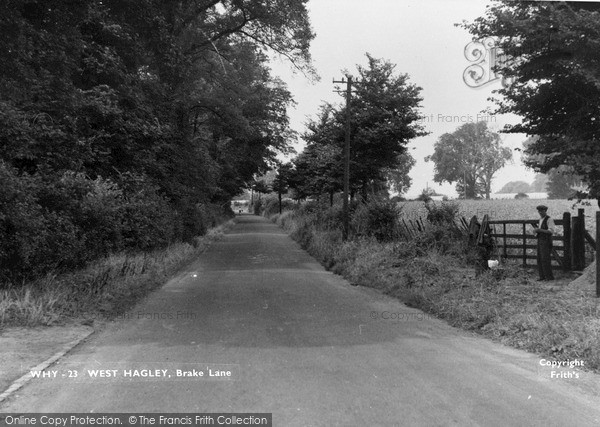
(420,37)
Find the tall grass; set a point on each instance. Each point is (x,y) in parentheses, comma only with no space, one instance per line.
(103,290)
(433,274)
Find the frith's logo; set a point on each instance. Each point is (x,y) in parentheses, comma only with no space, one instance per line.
(484,56)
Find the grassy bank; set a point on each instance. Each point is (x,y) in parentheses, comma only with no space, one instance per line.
(435,275)
(103,290)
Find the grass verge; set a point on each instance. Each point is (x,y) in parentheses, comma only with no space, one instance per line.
(507,305)
(103,290)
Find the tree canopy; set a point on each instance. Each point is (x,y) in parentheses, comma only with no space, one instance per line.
(384,118)
(157,111)
(553,56)
(470,156)
(515,187)
(560,182)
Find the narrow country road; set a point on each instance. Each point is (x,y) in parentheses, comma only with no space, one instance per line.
(302,344)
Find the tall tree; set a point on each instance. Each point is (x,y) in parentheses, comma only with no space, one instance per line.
(158,108)
(553,56)
(384,118)
(398,180)
(470,156)
(318,169)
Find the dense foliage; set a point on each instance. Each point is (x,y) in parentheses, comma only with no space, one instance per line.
(561,181)
(384,118)
(552,60)
(470,156)
(131,124)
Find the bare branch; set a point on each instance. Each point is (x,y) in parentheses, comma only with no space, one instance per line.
(194,15)
(194,49)
(310,73)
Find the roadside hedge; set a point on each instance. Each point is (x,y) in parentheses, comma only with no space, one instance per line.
(64,222)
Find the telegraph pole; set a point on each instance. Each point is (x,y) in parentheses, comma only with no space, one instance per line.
(346,220)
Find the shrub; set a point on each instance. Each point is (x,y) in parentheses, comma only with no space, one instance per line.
(271,205)
(378,218)
(309,207)
(444,239)
(257,206)
(84,219)
(442,214)
(148,221)
(397,199)
(22,224)
(331,218)
(100,216)
(286,220)
(62,222)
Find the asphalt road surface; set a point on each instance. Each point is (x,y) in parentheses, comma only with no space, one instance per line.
(301,343)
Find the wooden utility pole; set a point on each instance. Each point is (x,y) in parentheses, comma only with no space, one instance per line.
(346,220)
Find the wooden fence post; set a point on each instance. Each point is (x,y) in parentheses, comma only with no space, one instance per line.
(578,240)
(524,245)
(598,254)
(504,242)
(568,260)
(579,234)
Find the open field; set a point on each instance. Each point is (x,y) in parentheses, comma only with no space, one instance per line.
(514,209)
(510,209)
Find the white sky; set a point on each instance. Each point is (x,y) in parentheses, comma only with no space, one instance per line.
(420,37)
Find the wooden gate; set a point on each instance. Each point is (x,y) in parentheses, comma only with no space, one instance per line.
(515,239)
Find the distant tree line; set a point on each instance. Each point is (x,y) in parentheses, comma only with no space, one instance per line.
(558,183)
(130,124)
